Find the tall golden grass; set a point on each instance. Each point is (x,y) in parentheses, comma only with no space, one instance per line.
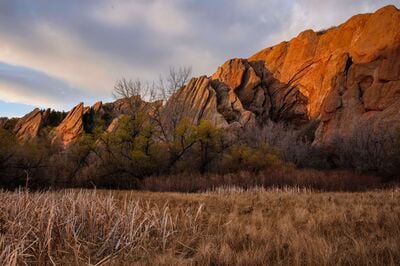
(74,228)
(223,226)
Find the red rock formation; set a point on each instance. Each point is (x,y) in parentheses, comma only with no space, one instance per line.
(71,127)
(28,127)
(97,107)
(196,101)
(350,75)
(345,77)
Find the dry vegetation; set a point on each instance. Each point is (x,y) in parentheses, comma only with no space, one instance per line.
(226,226)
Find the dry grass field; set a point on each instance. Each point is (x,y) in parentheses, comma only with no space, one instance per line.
(228,226)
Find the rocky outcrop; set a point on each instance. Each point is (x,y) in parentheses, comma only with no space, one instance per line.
(27,128)
(239,94)
(98,108)
(348,75)
(83,119)
(260,94)
(71,127)
(195,101)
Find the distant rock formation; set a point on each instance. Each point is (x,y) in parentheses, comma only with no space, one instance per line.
(28,127)
(98,108)
(71,127)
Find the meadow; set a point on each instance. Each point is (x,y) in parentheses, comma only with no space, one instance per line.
(223,226)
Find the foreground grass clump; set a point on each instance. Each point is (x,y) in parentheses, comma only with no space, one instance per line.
(226,226)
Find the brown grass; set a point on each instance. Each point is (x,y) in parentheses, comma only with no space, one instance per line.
(227,226)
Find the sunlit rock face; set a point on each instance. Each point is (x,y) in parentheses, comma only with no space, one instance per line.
(27,128)
(348,76)
(81,119)
(344,77)
(71,127)
(98,108)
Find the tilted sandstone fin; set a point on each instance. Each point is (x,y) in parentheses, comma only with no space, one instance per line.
(71,127)
(97,107)
(28,126)
(196,101)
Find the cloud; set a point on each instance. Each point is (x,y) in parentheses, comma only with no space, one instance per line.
(83,47)
(317,15)
(31,87)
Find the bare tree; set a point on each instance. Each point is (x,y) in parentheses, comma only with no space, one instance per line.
(177,78)
(131,93)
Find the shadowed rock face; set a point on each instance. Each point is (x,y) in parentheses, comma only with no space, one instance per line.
(344,77)
(28,127)
(260,93)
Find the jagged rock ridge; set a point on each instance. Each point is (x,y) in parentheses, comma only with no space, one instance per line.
(71,127)
(344,77)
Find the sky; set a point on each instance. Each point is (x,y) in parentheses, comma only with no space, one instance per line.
(57,53)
